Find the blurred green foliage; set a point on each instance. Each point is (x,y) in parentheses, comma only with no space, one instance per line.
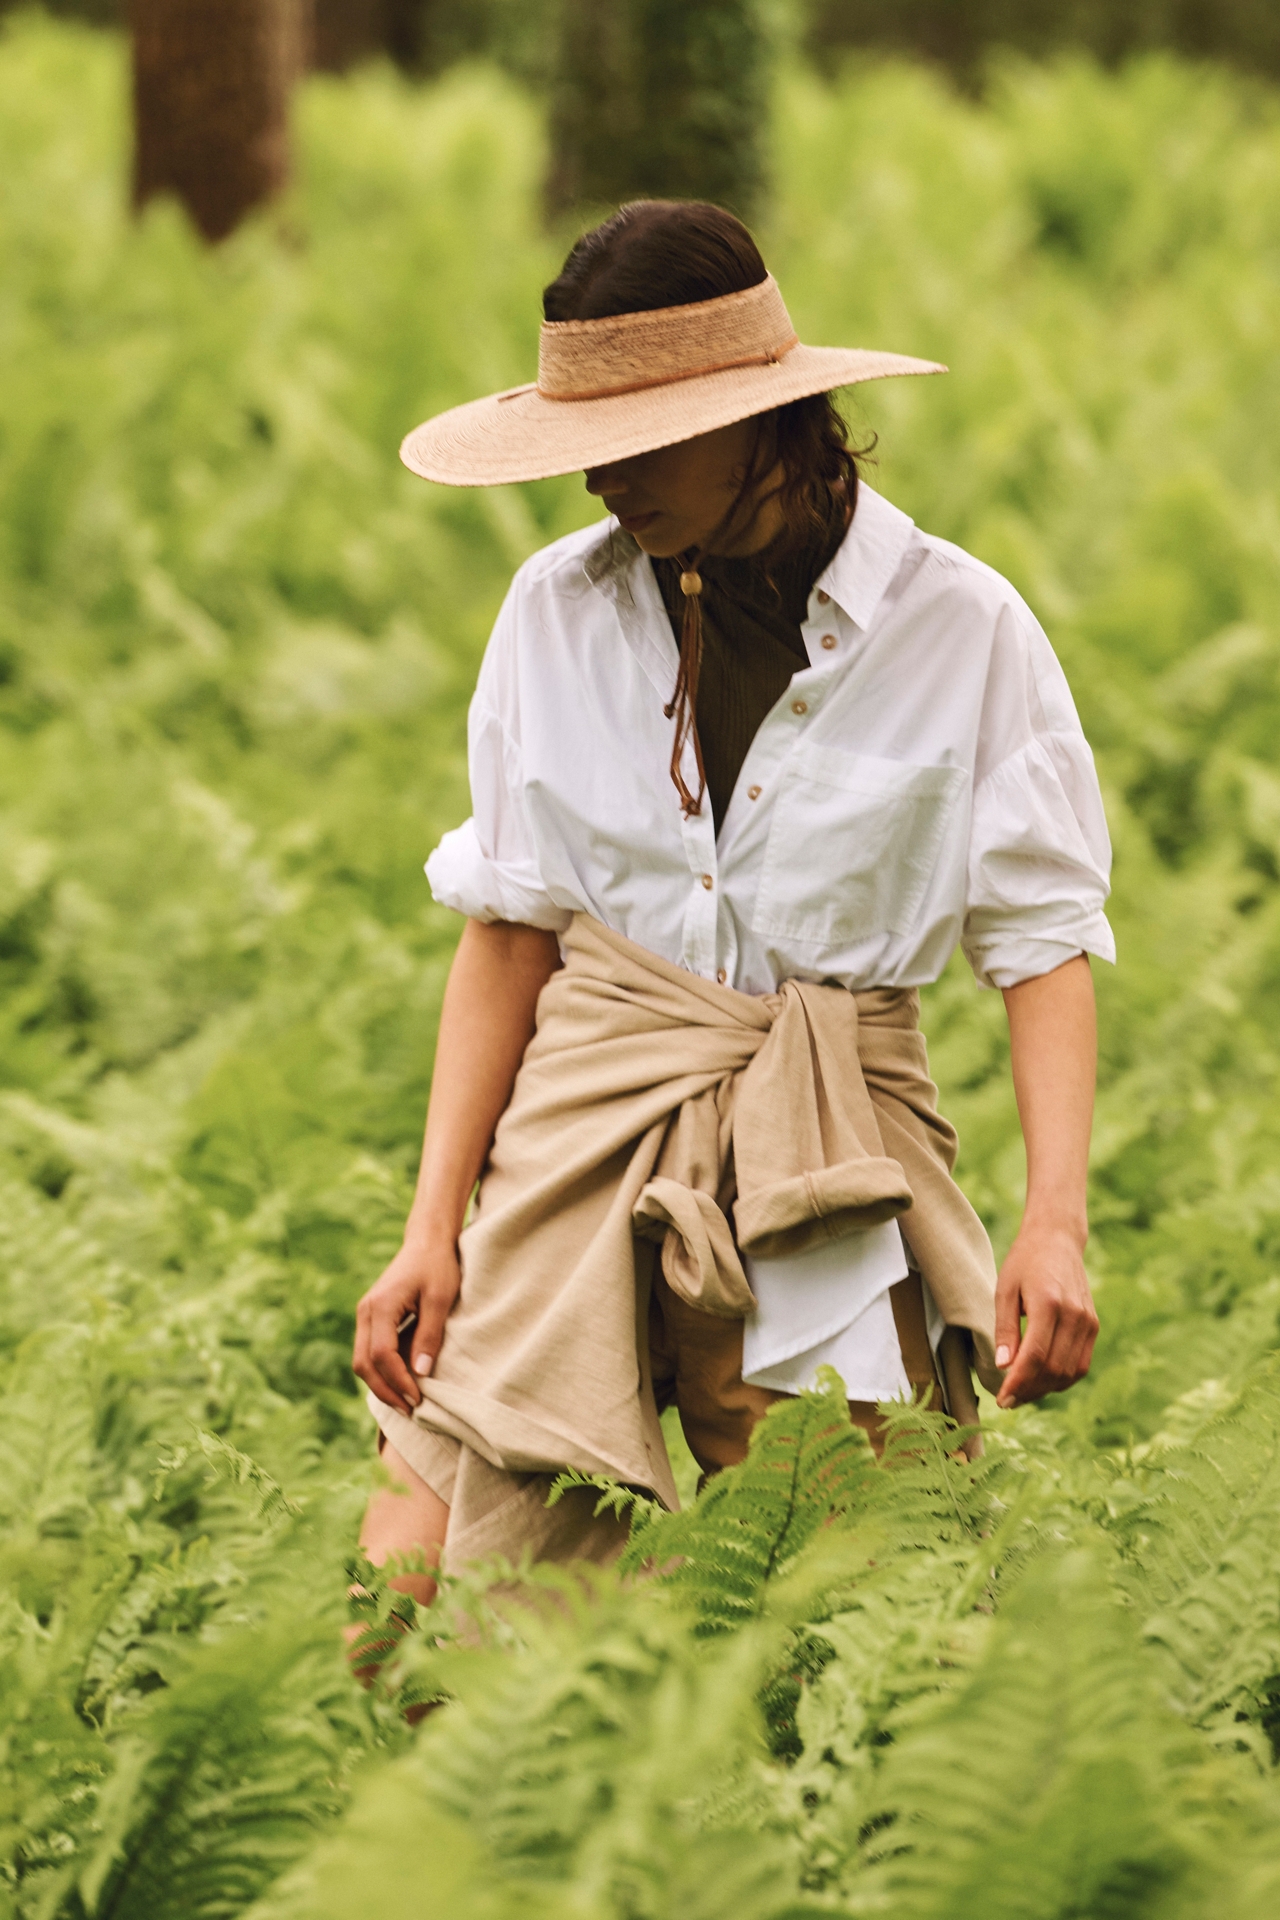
(236,644)
(962,33)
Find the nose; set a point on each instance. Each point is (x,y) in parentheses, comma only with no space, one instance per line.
(601,480)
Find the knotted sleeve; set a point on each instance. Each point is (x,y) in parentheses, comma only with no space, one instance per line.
(811,1166)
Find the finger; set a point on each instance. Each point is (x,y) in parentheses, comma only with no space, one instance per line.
(429,1334)
(1024,1378)
(1008,1322)
(363,1362)
(387,1362)
(392,1381)
(1083,1330)
(1085,1358)
(360,1363)
(1044,1372)
(380,1390)
(1072,1342)
(1058,1372)
(1063,1363)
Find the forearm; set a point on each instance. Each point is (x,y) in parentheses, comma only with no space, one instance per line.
(486,1023)
(1053,1042)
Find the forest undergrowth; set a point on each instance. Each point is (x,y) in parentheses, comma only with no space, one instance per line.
(236,644)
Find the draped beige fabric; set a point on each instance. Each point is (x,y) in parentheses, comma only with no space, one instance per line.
(653,1108)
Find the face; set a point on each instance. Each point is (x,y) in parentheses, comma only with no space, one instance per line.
(675,497)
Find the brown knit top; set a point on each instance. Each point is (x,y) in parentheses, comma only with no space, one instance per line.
(752,611)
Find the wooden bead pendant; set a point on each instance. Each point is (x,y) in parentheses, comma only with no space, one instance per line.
(690,583)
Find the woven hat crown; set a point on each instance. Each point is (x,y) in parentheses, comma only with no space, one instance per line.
(629,352)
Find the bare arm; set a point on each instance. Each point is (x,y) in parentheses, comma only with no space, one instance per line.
(486,1023)
(1054,1046)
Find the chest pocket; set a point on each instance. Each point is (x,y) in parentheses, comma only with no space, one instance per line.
(853,846)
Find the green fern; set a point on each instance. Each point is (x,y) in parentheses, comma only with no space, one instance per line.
(592,1744)
(53,1765)
(807,1465)
(1054,1780)
(221,1786)
(1203,1546)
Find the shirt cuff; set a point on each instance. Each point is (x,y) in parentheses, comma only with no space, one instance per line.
(1006,960)
(462,876)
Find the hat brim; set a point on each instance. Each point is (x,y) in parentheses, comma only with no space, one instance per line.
(521,435)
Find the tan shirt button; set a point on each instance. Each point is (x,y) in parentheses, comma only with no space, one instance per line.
(828,641)
(799,706)
(824,599)
(722,976)
(707,881)
(753,793)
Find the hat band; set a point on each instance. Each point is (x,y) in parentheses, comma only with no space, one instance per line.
(770,359)
(629,352)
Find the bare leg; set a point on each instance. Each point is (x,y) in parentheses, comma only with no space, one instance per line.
(398,1521)
(402,1517)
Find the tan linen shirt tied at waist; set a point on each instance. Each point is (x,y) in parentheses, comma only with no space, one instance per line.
(654,1103)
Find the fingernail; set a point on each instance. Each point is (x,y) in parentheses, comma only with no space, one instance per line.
(422,1364)
(1002,1356)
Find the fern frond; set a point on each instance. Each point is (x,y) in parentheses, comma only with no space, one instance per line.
(53,1765)
(221,1785)
(271,1501)
(1055,1780)
(614,1497)
(1204,1546)
(807,1464)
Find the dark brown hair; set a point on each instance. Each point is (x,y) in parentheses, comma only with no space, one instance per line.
(671,253)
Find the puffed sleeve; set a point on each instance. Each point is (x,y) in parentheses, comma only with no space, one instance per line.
(1039,850)
(487,868)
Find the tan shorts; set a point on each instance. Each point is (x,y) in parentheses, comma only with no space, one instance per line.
(697,1368)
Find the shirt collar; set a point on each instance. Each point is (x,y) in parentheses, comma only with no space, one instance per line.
(868,556)
(612,555)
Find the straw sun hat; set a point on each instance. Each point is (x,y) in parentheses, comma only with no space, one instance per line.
(609,389)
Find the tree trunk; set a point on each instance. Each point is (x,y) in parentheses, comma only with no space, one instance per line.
(660,98)
(594,104)
(211,84)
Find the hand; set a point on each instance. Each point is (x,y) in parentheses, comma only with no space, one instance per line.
(424,1278)
(1043,1278)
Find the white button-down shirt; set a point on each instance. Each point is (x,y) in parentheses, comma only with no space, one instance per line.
(923,782)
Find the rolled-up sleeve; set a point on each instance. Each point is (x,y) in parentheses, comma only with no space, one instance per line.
(487,868)
(1039,850)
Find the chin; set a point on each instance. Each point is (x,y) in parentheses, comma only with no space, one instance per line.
(656,546)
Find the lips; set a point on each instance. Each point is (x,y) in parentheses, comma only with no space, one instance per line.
(636,522)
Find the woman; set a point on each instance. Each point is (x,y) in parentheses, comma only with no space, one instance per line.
(747,762)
